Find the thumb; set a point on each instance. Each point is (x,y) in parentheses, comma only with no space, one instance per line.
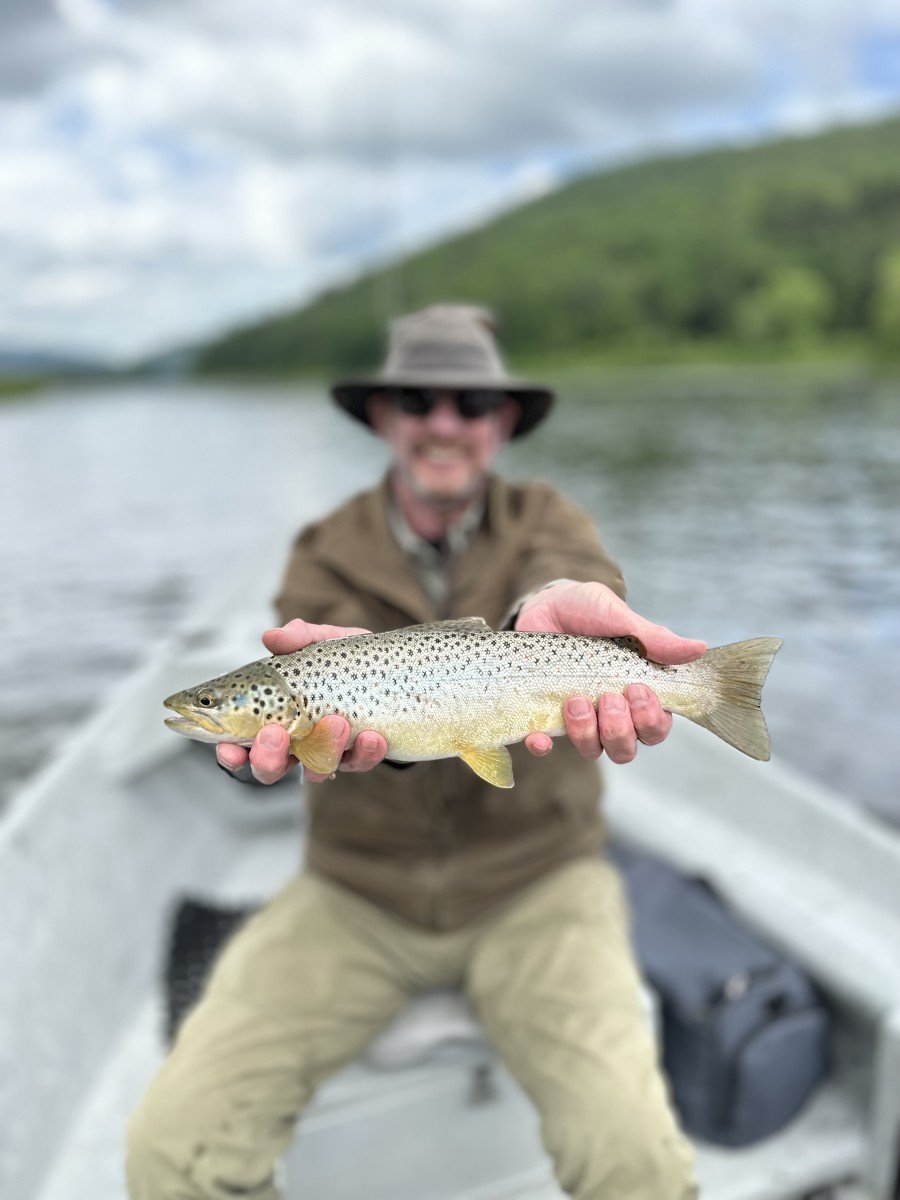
(661,644)
(285,639)
(594,610)
(298,634)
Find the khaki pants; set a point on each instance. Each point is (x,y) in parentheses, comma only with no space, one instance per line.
(309,981)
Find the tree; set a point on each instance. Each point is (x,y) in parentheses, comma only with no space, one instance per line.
(885,311)
(792,306)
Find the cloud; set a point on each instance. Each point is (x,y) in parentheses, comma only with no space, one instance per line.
(34,48)
(359,82)
(172,166)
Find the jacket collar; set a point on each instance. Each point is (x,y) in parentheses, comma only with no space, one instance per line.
(364,551)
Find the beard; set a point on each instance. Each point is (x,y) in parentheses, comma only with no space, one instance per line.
(443,499)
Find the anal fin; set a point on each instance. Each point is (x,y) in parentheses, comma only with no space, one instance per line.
(491,763)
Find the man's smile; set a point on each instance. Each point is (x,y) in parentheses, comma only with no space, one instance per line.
(442,452)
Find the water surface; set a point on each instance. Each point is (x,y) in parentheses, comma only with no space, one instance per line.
(739,503)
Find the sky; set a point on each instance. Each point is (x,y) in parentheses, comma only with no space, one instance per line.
(173,168)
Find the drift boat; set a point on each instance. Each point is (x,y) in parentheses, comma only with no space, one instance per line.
(98,849)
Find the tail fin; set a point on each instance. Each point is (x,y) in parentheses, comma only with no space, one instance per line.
(741,669)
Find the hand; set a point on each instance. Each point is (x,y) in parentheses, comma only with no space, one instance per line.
(620,721)
(270,755)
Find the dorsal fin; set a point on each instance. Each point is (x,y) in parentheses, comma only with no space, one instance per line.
(463,624)
(629,642)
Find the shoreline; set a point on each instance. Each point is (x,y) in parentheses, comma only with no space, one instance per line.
(821,362)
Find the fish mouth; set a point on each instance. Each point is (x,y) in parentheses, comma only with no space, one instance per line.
(180,724)
(194,731)
(191,722)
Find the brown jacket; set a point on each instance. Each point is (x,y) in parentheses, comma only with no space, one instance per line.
(434,843)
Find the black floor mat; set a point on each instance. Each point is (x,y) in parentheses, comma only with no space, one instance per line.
(198,931)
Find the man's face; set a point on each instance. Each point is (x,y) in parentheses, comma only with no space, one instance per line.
(442,456)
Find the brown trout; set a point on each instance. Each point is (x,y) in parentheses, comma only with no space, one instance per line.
(461,688)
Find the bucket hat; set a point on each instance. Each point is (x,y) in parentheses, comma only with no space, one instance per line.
(446,346)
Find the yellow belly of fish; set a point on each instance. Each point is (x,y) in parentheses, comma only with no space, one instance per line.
(501,725)
(478,733)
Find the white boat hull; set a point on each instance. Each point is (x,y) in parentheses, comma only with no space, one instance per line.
(127,818)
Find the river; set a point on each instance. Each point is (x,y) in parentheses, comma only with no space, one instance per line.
(740,502)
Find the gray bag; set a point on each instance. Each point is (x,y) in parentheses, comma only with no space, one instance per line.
(745,1032)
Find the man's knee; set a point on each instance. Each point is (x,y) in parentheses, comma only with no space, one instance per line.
(150,1163)
(620,1156)
(185,1145)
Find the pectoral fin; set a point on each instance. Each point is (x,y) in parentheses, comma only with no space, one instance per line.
(493,764)
(317,750)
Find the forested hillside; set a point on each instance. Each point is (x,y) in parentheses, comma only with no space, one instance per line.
(789,244)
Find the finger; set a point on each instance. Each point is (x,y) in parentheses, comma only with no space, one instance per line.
(616,728)
(539,744)
(661,644)
(366,752)
(664,646)
(231,757)
(594,610)
(270,754)
(581,726)
(651,721)
(338,729)
(297,634)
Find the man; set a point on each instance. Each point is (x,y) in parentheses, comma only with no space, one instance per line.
(427,876)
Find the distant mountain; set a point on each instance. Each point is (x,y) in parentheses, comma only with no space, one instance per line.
(790,242)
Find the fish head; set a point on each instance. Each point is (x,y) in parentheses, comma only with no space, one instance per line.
(233,707)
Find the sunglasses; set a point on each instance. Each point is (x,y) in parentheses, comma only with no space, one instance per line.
(470,404)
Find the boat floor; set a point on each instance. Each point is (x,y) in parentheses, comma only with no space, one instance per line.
(423,1133)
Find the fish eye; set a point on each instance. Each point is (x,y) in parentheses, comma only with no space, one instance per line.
(205,699)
